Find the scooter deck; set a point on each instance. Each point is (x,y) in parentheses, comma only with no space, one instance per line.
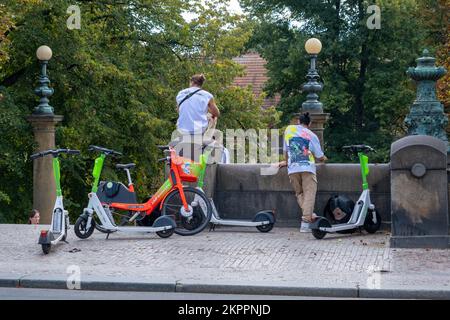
(58,238)
(141,229)
(215,219)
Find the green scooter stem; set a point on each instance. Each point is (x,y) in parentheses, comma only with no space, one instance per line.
(97,171)
(364,163)
(57,175)
(204,161)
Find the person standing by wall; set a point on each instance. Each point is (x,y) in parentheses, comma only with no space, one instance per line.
(301,150)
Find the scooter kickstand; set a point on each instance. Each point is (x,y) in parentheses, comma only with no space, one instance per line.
(107,235)
(212,227)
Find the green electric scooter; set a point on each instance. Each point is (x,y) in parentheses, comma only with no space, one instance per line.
(60,217)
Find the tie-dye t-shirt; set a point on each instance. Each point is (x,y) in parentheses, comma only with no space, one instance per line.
(301,145)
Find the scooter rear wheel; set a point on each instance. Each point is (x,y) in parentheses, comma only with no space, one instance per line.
(369,226)
(265,228)
(265,216)
(46,248)
(165,233)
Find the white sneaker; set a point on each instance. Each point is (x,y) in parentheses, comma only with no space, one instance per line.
(304,227)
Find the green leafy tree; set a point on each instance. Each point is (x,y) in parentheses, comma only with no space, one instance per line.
(366,89)
(115,82)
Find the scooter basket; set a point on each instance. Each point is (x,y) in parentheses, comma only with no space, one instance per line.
(111,189)
(339,209)
(188,170)
(109,192)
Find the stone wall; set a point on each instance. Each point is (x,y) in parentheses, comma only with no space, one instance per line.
(240,190)
(448,180)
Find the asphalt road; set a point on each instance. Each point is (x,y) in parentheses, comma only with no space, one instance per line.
(52,294)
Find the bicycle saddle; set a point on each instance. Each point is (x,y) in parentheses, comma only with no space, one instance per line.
(125,166)
(163,148)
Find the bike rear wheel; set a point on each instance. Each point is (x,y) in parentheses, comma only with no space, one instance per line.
(196,218)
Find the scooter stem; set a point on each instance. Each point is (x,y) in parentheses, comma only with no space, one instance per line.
(97,171)
(364,163)
(57,174)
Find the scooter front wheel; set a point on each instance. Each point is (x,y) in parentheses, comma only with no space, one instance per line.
(198,203)
(80,228)
(319,234)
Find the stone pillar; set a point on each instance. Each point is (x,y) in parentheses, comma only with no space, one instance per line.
(419,192)
(43,181)
(318,123)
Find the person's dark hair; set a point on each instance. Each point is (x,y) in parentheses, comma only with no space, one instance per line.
(32,214)
(305,119)
(198,79)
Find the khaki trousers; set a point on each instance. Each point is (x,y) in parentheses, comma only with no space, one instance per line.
(305,187)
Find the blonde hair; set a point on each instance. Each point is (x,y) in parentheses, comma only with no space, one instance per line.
(198,79)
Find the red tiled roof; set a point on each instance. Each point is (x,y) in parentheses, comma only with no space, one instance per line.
(255,75)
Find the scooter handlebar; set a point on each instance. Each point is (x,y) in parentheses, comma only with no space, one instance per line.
(106,151)
(54,153)
(73,151)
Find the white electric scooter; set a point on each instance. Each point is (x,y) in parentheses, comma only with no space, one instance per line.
(263,220)
(364,214)
(164,226)
(60,217)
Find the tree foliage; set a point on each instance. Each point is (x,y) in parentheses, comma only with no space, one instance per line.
(367,91)
(115,82)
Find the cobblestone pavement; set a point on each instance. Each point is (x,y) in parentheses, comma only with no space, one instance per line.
(232,255)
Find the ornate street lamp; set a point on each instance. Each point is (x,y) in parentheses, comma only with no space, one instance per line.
(44,54)
(313,87)
(427,116)
(312,104)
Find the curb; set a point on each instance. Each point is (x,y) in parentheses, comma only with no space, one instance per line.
(275,290)
(9,281)
(112,284)
(404,294)
(97,284)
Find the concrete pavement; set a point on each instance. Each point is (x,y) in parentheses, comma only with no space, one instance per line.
(228,261)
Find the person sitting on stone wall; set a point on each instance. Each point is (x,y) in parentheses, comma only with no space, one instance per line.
(193,105)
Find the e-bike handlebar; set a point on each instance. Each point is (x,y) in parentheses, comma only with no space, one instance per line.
(55,153)
(107,152)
